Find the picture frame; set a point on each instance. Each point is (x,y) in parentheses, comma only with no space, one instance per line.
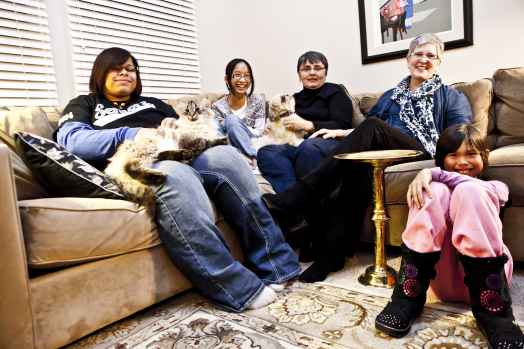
(387,26)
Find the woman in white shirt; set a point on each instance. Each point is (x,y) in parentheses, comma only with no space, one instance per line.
(241,113)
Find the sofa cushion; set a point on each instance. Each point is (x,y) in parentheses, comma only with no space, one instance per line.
(507,165)
(509,105)
(27,119)
(61,231)
(479,94)
(53,114)
(398,177)
(61,172)
(363,103)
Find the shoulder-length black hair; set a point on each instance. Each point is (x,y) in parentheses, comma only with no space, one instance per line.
(109,59)
(229,73)
(453,137)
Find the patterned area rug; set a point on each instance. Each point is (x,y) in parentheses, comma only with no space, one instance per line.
(316,316)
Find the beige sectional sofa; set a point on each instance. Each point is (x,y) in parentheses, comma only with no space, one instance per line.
(70,266)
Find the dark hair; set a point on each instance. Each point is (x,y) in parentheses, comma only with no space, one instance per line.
(312,57)
(109,59)
(229,73)
(453,137)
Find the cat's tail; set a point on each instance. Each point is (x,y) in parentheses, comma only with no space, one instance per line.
(138,186)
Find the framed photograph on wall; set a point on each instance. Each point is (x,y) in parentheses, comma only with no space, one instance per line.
(387,26)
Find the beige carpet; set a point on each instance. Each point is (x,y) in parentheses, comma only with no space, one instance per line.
(338,313)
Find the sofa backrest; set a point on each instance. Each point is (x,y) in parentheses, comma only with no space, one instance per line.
(30,119)
(480,95)
(508,107)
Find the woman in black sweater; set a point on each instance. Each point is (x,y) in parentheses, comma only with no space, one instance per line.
(320,105)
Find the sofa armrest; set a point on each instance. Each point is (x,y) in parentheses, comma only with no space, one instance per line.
(16,321)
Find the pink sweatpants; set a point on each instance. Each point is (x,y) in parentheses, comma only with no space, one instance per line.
(465,220)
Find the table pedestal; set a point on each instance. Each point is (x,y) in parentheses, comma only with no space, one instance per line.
(379,274)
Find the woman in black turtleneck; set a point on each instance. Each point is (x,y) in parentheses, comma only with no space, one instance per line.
(320,105)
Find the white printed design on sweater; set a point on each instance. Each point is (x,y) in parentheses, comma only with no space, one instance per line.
(104,116)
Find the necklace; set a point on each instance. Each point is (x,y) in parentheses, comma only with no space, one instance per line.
(119,105)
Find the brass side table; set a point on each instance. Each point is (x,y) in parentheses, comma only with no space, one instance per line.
(379,274)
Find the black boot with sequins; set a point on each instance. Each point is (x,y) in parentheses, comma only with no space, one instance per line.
(409,295)
(491,302)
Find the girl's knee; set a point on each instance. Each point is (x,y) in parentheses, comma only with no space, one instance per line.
(468,189)
(439,189)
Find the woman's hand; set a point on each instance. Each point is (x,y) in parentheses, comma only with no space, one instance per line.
(168,123)
(294,122)
(326,133)
(421,183)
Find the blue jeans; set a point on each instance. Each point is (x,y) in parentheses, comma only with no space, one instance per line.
(186,225)
(239,135)
(282,164)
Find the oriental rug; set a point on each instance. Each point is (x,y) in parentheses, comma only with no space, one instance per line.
(316,316)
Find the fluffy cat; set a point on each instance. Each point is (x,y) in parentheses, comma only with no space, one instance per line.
(280,106)
(130,166)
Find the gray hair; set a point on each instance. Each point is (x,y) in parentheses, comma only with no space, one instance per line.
(427,38)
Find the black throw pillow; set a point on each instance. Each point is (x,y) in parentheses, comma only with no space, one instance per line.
(61,172)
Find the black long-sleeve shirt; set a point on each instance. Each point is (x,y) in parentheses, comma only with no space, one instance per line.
(327,107)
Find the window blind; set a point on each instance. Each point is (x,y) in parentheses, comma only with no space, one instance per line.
(162,35)
(27,75)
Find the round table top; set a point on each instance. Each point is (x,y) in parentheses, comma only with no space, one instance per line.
(373,155)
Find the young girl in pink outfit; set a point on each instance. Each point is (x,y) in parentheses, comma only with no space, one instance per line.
(454,233)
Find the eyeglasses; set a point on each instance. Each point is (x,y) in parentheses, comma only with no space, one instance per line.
(238,76)
(429,56)
(127,68)
(308,68)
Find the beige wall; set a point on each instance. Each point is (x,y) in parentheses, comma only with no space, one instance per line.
(271,34)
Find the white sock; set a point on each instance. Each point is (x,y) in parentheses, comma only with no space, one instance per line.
(277,287)
(267,296)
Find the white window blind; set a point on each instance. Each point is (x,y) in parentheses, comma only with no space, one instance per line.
(161,35)
(27,75)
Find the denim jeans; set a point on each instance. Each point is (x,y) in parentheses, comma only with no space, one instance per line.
(282,164)
(186,225)
(239,135)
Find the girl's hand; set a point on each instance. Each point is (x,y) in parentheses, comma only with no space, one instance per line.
(326,134)
(294,122)
(421,183)
(168,123)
